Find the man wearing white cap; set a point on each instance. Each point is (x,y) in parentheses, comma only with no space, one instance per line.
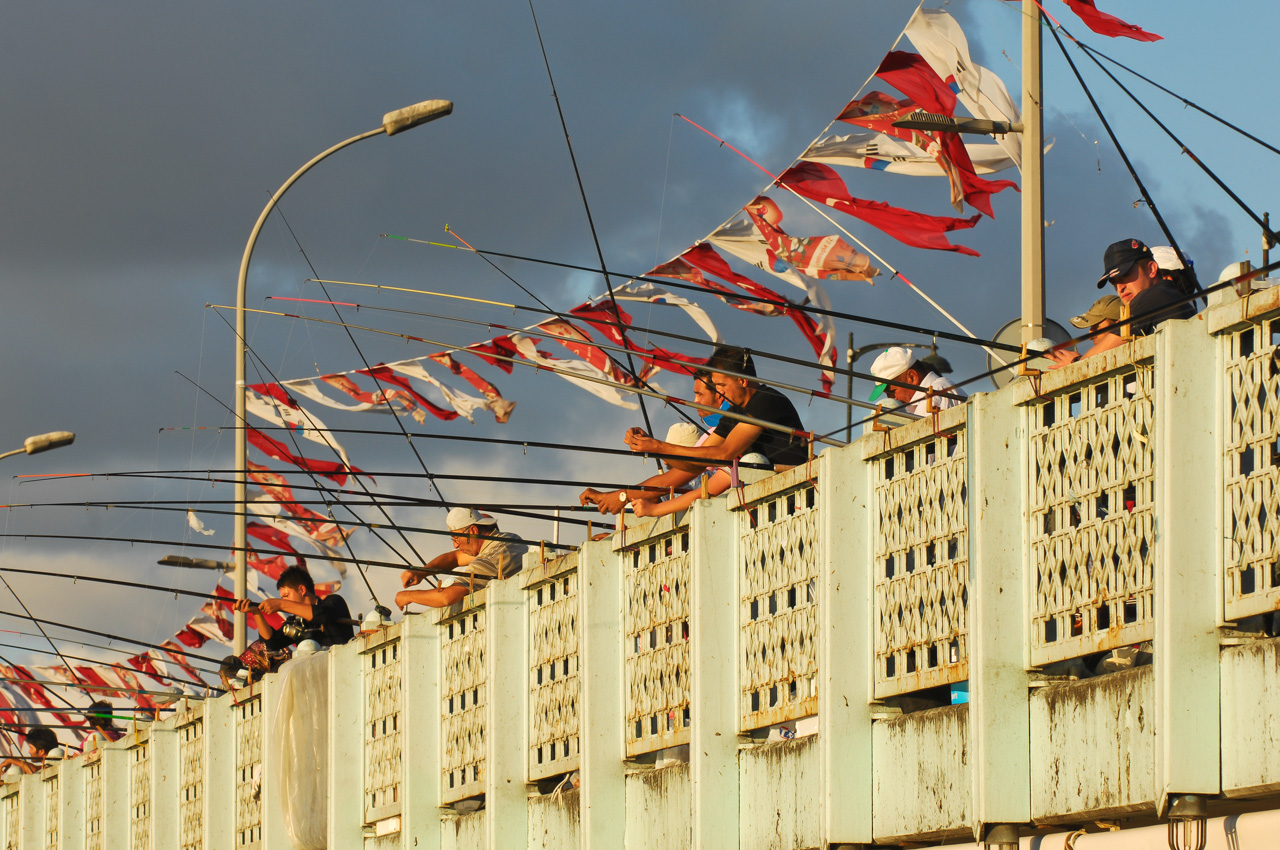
(900,365)
(478,547)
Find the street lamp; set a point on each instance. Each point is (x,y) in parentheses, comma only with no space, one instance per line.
(43,442)
(196,563)
(392,123)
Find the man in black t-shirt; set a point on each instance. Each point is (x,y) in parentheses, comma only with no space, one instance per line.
(733,438)
(326,621)
(1132,269)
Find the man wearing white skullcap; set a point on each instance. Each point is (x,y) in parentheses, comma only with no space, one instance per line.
(900,365)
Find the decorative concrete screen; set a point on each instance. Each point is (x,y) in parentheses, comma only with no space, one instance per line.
(656,600)
(12,821)
(92,802)
(382,748)
(52,812)
(463,689)
(778,558)
(921,555)
(1092,475)
(248,716)
(553,667)
(140,796)
(191,786)
(1251,438)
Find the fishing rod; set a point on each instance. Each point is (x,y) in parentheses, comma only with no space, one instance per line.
(155,506)
(115,581)
(669,361)
(377,382)
(497,441)
(432,503)
(648,331)
(101,663)
(110,636)
(789,305)
(260,363)
(52,645)
(89,686)
(750,420)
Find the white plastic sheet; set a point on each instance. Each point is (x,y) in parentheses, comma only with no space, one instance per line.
(300,747)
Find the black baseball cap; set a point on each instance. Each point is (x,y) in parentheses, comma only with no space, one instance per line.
(1120,257)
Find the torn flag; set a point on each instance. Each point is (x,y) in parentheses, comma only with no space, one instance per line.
(1108,25)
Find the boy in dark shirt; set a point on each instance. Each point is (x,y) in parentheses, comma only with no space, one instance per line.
(326,621)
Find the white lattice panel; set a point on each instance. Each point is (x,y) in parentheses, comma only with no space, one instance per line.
(656,594)
(553,673)
(922,565)
(52,813)
(382,748)
(140,796)
(1092,521)
(12,821)
(462,717)
(1252,469)
(249,773)
(93,805)
(779,608)
(191,786)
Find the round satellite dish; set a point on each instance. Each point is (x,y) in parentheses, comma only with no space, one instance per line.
(1011,334)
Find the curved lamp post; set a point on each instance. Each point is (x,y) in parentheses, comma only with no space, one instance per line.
(392,123)
(43,442)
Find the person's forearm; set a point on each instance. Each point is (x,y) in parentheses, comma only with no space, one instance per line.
(298,609)
(264,628)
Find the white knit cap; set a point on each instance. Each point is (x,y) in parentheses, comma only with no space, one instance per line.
(891,363)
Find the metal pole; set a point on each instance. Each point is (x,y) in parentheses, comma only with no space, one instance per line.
(1032,176)
(848,411)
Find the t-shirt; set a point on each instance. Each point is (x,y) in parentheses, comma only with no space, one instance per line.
(502,554)
(1163,299)
(919,403)
(326,626)
(769,405)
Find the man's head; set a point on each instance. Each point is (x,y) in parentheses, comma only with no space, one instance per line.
(1130,267)
(295,584)
(100,715)
(40,741)
(704,393)
(896,364)
(1104,312)
(725,359)
(465,525)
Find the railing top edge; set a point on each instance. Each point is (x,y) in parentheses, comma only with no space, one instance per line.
(187,714)
(640,530)
(1233,315)
(777,483)
(1060,381)
(469,605)
(371,641)
(880,443)
(535,573)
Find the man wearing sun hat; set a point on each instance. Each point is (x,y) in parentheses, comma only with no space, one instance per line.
(1104,313)
(900,365)
(480,550)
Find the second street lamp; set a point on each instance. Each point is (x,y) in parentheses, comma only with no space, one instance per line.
(392,123)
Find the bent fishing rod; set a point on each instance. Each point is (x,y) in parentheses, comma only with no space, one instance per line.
(672,361)
(100,663)
(788,305)
(750,420)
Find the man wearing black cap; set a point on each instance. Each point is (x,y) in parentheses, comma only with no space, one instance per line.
(1131,268)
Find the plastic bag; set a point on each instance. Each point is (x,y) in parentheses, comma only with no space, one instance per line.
(300,749)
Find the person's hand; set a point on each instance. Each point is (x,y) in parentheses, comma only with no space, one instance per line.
(643,507)
(601,536)
(638,441)
(402,599)
(1061,358)
(409,578)
(589,497)
(612,503)
(244,606)
(269,606)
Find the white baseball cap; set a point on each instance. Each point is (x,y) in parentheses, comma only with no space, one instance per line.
(891,363)
(463,518)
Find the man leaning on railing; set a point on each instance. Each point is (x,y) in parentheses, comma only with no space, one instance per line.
(479,548)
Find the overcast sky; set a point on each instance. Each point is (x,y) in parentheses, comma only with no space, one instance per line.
(142,140)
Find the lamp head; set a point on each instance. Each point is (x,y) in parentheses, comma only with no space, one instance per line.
(411,116)
(44,442)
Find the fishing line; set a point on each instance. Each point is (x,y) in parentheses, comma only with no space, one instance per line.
(790,305)
(544,368)
(586,206)
(52,645)
(108,635)
(657,358)
(101,663)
